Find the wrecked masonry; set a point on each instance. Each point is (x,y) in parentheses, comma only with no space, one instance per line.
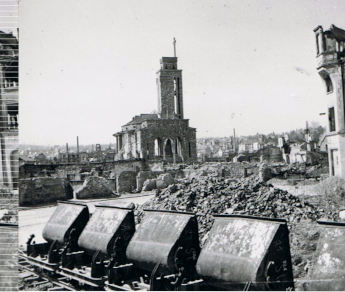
(268,217)
(164,135)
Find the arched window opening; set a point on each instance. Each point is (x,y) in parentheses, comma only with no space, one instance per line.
(178,147)
(176,98)
(175,105)
(331,119)
(190,150)
(158,147)
(329,85)
(168,149)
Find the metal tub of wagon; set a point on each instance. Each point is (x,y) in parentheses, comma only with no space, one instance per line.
(164,250)
(246,253)
(61,234)
(328,269)
(102,244)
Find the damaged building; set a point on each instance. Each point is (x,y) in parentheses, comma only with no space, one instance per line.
(9,159)
(165,135)
(330,46)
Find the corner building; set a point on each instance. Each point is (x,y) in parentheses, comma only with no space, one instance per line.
(164,135)
(9,85)
(330,46)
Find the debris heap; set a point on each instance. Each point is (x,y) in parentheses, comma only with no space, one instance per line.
(249,196)
(246,196)
(94,187)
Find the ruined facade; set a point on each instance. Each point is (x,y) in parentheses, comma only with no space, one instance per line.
(165,135)
(330,45)
(9,158)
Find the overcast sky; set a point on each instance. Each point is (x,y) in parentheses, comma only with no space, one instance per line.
(87,67)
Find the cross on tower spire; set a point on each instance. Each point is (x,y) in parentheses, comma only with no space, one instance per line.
(174,43)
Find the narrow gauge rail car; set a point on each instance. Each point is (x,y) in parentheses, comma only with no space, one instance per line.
(108,252)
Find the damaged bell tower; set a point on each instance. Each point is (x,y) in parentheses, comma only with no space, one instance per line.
(169,84)
(330,47)
(165,135)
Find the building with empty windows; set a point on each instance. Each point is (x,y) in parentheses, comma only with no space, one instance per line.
(164,135)
(330,45)
(9,159)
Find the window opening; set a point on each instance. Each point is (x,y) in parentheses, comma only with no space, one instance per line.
(331,119)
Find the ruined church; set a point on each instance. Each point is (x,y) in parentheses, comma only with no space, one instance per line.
(165,135)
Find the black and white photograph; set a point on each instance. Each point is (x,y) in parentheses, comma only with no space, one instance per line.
(173,145)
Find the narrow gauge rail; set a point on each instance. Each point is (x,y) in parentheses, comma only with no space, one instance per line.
(108,251)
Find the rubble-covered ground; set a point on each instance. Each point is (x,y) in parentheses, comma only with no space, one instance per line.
(299,169)
(213,194)
(301,188)
(8,206)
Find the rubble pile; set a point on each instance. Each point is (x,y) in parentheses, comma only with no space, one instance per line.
(94,187)
(246,196)
(9,212)
(250,196)
(301,169)
(317,171)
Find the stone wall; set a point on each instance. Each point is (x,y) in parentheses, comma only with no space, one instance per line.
(237,170)
(271,154)
(32,170)
(41,190)
(75,169)
(128,165)
(170,129)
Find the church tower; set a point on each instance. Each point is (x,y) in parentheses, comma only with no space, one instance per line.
(169,85)
(166,135)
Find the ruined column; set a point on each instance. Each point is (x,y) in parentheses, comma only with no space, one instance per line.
(173,151)
(164,144)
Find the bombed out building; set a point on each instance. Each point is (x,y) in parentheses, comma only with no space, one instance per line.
(165,135)
(9,159)
(330,46)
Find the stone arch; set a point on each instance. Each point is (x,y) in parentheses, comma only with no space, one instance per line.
(168,151)
(327,79)
(178,149)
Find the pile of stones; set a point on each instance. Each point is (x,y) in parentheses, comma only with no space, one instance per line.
(248,196)
(213,194)
(94,187)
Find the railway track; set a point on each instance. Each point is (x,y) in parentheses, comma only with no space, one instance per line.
(32,277)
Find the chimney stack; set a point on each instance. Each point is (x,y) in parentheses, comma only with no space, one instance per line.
(77,145)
